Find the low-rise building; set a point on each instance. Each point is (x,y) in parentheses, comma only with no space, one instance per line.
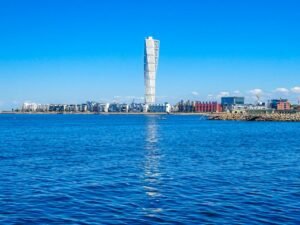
(29,107)
(136,107)
(280,104)
(58,108)
(208,107)
(296,108)
(159,108)
(283,106)
(188,106)
(117,107)
(229,103)
(42,107)
(101,107)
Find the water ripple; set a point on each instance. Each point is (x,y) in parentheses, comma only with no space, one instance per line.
(79,169)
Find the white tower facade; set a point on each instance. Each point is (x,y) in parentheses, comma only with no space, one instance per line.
(150,68)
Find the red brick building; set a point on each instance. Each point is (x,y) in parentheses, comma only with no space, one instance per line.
(208,107)
(283,105)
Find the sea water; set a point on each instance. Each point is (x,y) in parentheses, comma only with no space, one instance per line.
(156,169)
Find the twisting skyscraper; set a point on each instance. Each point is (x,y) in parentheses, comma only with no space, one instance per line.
(150,68)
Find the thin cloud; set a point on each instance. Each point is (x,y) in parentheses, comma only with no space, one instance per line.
(223,94)
(195,93)
(134,97)
(127,99)
(237,92)
(296,90)
(211,97)
(159,97)
(282,90)
(256,91)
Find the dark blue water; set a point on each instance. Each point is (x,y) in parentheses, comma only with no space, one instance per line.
(118,169)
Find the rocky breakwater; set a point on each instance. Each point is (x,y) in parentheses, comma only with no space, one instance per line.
(292,117)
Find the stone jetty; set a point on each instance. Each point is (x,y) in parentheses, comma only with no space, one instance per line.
(291,117)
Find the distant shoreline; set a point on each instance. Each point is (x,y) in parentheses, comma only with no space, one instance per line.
(103,113)
(275,117)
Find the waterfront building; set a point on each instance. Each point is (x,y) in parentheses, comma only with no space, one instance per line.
(296,108)
(145,108)
(175,108)
(188,106)
(283,105)
(229,102)
(58,108)
(280,104)
(72,108)
(114,107)
(208,107)
(91,106)
(101,107)
(82,107)
(159,108)
(150,68)
(29,107)
(97,107)
(257,107)
(237,108)
(117,107)
(125,108)
(232,101)
(42,107)
(136,107)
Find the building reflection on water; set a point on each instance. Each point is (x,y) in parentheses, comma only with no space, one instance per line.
(152,174)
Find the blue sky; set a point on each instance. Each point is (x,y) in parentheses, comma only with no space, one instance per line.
(56,51)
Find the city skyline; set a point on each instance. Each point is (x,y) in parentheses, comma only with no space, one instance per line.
(56,52)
